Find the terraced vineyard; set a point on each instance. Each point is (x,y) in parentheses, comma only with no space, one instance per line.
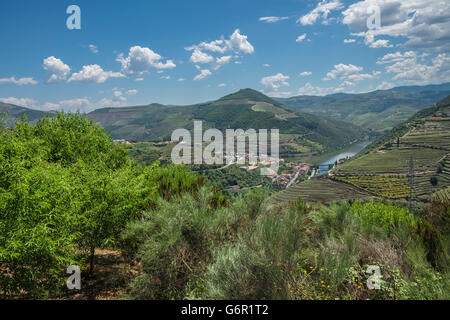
(320,190)
(393,187)
(384,172)
(443,195)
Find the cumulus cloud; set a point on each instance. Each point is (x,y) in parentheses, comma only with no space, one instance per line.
(349,40)
(19,82)
(221,61)
(266,65)
(94,74)
(275,82)
(21,102)
(57,70)
(239,43)
(140,60)
(200,57)
(414,68)
(305,74)
(301,38)
(202,75)
(322,11)
(213,46)
(93,48)
(423,23)
(181,79)
(272,19)
(350,73)
(221,85)
(372,43)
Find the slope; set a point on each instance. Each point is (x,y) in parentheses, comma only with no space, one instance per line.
(383,169)
(244,109)
(378,110)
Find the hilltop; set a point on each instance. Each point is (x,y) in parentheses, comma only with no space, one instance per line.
(15,113)
(382,170)
(379,110)
(300,132)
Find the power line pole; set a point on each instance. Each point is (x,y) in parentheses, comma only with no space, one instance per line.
(411,182)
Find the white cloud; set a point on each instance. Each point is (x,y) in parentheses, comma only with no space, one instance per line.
(349,40)
(349,73)
(19,82)
(201,57)
(322,10)
(213,46)
(94,74)
(301,38)
(236,43)
(423,23)
(132,92)
(86,105)
(305,74)
(275,82)
(51,106)
(93,48)
(180,79)
(413,68)
(57,70)
(266,65)
(272,19)
(139,79)
(141,59)
(239,43)
(223,60)
(385,86)
(221,85)
(167,77)
(118,96)
(372,43)
(21,102)
(310,90)
(202,75)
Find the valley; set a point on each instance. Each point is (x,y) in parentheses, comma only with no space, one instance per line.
(384,168)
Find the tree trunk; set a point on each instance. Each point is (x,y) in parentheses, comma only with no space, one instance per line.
(91,260)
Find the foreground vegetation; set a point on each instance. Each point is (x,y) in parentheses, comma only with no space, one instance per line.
(66,190)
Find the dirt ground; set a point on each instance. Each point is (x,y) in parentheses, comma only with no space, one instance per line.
(109,281)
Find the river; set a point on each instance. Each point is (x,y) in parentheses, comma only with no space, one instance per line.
(345,153)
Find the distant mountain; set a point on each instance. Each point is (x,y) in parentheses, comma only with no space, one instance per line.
(15,112)
(379,110)
(244,109)
(431,87)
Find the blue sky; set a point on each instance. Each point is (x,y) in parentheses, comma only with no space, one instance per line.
(183,52)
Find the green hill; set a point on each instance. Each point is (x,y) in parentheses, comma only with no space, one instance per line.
(383,168)
(242,110)
(379,110)
(14,112)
